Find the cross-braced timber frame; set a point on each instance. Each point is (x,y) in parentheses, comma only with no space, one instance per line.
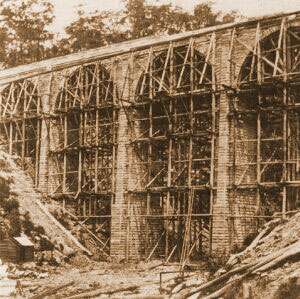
(173,128)
(265,123)
(20,114)
(175,147)
(84,122)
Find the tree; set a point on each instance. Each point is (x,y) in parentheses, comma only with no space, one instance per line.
(204,15)
(92,30)
(24,26)
(167,19)
(135,15)
(144,20)
(231,17)
(25,38)
(87,32)
(138,19)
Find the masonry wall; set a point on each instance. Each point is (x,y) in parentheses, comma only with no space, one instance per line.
(45,93)
(128,229)
(220,228)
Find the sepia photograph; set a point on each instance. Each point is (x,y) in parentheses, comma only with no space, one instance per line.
(150,149)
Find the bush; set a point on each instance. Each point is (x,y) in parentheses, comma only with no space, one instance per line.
(4,188)
(4,228)
(28,226)
(39,230)
(15,224)
(46,244)
(9,205)
(4,165)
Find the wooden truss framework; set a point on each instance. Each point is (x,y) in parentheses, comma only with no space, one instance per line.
(84,121)
(173,123)
(172,118)
(20,123)
(265,119)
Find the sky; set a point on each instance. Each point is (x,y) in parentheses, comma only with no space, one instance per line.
(65,10)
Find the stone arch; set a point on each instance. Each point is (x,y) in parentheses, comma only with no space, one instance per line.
(20,127)
(88,86)
(83,161)
(265,121)
(87,97)
(173,132)
(272,60)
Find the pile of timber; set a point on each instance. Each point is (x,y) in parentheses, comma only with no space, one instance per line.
(276,250)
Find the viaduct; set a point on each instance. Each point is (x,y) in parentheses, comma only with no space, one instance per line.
(175,147)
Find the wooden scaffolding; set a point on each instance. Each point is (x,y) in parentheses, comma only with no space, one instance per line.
(83,153)
(20,123)
(171,93)
(265,122)
(173,137)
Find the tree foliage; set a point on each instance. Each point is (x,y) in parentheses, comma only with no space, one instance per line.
(24,30)
(145,20)
(90,31)
(138,19)
(25,37)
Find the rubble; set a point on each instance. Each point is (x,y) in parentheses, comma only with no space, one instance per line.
(269,265)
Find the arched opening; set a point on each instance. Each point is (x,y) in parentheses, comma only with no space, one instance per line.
(20,123)
(84,130)
(266,127)
(174,121)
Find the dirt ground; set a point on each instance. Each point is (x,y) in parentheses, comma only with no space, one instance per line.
(66,272)
(103,280)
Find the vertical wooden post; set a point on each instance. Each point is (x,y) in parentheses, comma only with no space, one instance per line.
(151,94)
(285,120)
(170,141)
(24,114)
(147,245)
(82,118)
(10,147)
(97,127)
(23,141)
(258,120)
(65,119)
(297,143)
(188,221)
(114,120)
(37,149)
(213,139)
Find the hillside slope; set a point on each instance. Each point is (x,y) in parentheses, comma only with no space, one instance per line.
(268,268)
(21,188)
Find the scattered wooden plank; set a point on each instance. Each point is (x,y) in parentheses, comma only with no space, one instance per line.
(52,291)
(234,259)
(270,261)
(98,292)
